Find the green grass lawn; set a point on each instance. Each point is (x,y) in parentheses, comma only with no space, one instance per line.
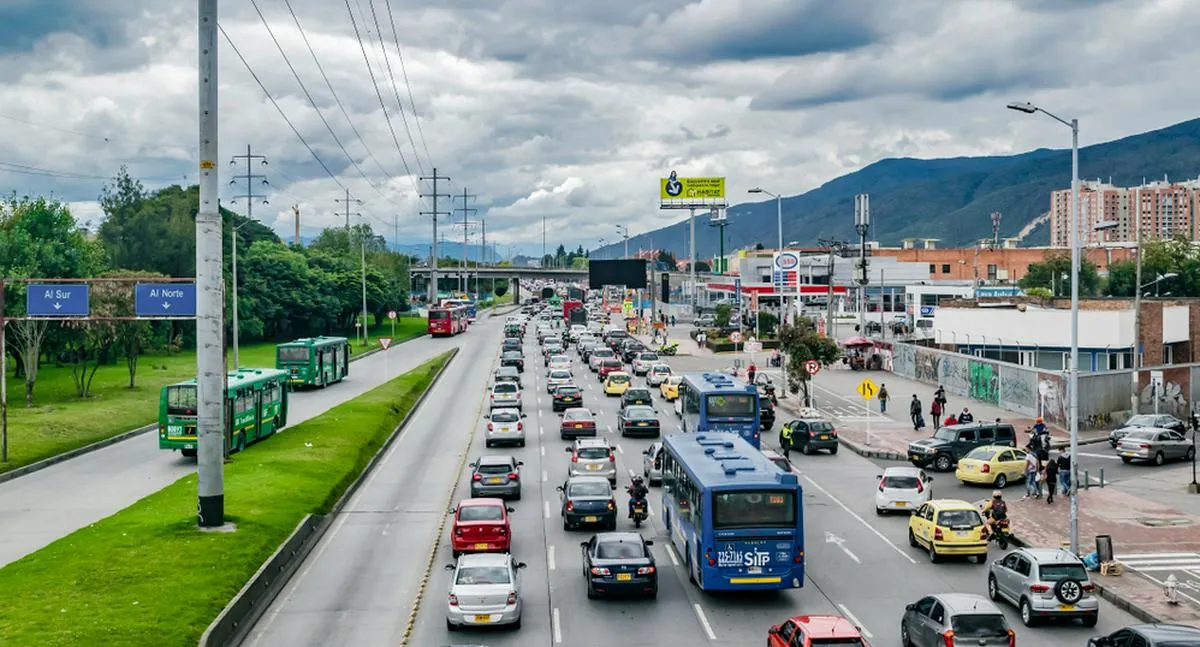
(146,576)
(61,421)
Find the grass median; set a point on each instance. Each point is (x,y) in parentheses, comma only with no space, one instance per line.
(61,421)
(146,576)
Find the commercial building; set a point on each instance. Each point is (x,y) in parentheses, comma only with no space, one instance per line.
(1161,209)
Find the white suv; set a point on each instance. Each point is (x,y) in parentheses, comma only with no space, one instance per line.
(504,395)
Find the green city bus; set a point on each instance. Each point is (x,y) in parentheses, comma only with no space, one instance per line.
(256,404)
(314,361)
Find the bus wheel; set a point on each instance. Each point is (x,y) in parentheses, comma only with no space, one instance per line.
(691,574)
(188,453)
(241,443)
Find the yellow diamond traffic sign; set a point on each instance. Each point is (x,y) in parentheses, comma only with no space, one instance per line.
(867,389)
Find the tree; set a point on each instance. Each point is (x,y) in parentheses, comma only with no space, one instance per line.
(800,343)
(1121,276)
(667,258)
(759,246)
(1055,273)
(501,288)
(131,338)
(721,315)
(39,238)
(767,322)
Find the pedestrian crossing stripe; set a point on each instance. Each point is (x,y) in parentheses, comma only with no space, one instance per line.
(1160,562)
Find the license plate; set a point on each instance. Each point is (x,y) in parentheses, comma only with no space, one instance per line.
(494,480)
(1066,607)
(624,577)
(642,424)
(484,618)
(961,533)
(593,468)
(568,399)
(481,546)
(590,519)
(824,436)
(1134,454)
(579,426)
(901,504)
(915,457)
(754,570)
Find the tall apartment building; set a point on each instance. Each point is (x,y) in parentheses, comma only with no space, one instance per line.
(1160,209)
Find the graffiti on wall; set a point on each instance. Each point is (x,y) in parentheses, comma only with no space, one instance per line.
(1052,393)
(1018,390)
(956,376)
(984,381)
(904,360)
(927,365)
(1172,400)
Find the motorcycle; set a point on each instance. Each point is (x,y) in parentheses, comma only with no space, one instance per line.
(639,513)
(669,350)
(1000,533)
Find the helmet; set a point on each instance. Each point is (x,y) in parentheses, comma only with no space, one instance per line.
(997,494)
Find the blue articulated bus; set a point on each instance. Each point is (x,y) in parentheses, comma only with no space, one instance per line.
(734,517)
(719,402)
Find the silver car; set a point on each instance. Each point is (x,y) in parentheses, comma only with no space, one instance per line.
(657,374)
(1044,583)
(559,361)
(505,394)
(592,457)
(968,620)
(652,464)
(557,378)
(1157,445)
(643,361)
(486,590)
(507,374)
(504,426)
(598,356)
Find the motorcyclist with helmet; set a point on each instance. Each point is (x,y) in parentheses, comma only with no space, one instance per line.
(995,510)
(637,493)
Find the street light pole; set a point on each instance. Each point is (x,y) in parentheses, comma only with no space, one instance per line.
(783,300)
(1073,370)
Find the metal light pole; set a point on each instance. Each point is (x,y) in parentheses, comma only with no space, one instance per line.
(1073,370)
(862,224)
(363,260)
(783,301)
(692,265)
(624,231)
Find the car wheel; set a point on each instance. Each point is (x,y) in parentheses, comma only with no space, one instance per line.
(487,443)
(1191,453)
(880,511)
(516,625)
(1001,481)
(993,592)
(566,525)
(1126,459)
(833,450)
(912,539)
(517,496)
(1090,621)
(943,463)
(1027,617)
(1159,458)
(933,554)
(450,626)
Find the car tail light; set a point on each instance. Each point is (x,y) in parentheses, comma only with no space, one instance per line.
(476,477)
(1143,446)
(458,532)
(983,533)
(502,531)
(520,426)
(512,597)
(570,506)
(612,458)
(645,570)
(937,534)
(985,469)
(600,571)
(1012,638)
(708,557)
(492,397)
(920,487)
(1090,588)
(489,426)
(612,505)
(574,458)
(949,637)
(1039,588)
(883,484)
(799,558)
(513,476)
(453,600)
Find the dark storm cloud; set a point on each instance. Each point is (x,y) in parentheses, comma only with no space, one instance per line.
(24,23)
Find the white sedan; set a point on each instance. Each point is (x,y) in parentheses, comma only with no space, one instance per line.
(559,362)
(485,591)
(557,378)
(902,489)
(658,374)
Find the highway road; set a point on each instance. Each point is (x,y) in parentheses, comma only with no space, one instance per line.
(51,503)
(359,586)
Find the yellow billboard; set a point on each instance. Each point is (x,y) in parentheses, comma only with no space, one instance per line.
(691,188)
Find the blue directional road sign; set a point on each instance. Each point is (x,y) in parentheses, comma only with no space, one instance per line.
(57,300)
(165,299)
(737,291)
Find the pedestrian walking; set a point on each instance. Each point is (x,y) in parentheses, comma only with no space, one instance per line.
(940,396)
(1051,474)
(883,398)
(1064,472)
(935,411)
(672,320)
(1033,471)
(966,417)
(914,412)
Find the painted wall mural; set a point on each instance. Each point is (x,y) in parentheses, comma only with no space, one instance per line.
(1018,390)
(984,380)
(904,361)
(927,365)
(956,376)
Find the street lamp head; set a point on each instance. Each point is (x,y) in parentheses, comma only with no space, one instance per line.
(1106,225)
(756,189)
(1022,106)
(1168,275)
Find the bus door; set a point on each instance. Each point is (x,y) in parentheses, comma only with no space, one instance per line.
(320,366)
(345,355)
(230,409)
(258,413)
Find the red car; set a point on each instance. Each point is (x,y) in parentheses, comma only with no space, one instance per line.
(809,631)
(481,526)
(610,366)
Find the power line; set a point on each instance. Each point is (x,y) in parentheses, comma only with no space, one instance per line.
(61,130)
(311,101)
(336,98)
(395,89)
(404,71)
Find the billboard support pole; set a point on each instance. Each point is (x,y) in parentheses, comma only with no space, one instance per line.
(692,265)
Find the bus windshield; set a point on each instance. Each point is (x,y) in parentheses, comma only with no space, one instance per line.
(731,406)
(437,315)
(293,354)
(754,509)
(181,399)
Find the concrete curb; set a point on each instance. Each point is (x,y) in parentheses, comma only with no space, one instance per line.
(1116,599)
(871,452)
(234,622)
(112,440)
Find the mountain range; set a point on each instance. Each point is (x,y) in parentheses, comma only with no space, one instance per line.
(948,199)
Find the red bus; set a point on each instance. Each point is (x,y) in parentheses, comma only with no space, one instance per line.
(446,322)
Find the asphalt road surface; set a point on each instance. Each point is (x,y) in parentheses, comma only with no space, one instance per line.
(359,586)
(51,503)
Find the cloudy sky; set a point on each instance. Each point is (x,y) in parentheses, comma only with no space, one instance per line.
(567,110)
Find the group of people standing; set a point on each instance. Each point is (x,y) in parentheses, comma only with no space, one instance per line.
(936,409)
(1042,470)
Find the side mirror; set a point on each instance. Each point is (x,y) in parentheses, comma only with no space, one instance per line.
(773,630)
(909,607)
(487,416)
(648,542)
(645,452)
(449,567)
(524,415)
(470,464)
(879,476)
(929,479)
(568,450)
(520,463)
(583,544)
(558,488)
(510,508)
(521,564)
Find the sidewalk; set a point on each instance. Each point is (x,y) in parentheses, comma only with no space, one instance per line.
(1152,541)
(676,334)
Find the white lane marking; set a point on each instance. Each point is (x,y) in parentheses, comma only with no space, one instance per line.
(649,510)
(550,558)
(543,450)
(1108,456)
(631,474)
(831,538)
(704,622)
(609,428)
(846,612)
(545,476)
(557,625)
(541,431)
(546,508)
(619,450)
(671,554)
(539,400)
(861,520)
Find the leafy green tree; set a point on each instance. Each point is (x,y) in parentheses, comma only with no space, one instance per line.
(800,343)
(1121,276)
(767,322)
(501,287)
(759,246)
(39,238)
(722,314)
(1055,273)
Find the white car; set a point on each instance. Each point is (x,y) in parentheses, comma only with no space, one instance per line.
(486,590)
(505,394)
(558,362)
(576,331)
(652,463)
(557,378)
(657,374)
(902,489)
(598,356)
(643,361)
(504,426)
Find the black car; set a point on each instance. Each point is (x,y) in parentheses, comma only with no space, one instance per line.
(952,442)
(636,395)
(1149,636)
(766,412)
(631,349)
(614,338)
(567,396)
(810,435)
(619,562)
(514,359)
(638,420)
(511,344)
(587,500)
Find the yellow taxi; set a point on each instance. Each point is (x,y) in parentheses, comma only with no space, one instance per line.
(994,465)
(949,527)
(617,383)
(669,389)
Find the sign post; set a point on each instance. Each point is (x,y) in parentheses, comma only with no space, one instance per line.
(385,342)
(867,390)
(392,316)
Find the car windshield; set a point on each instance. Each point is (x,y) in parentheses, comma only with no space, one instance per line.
(979,625)
(560,375)
(507,387)
(588,489)
(662,370)
(899,482)
(619,550)
(959,519)
(637,394)
(577,416)
(836,642)
(639,413)
(613,363)
(511,354)
(1056,572)
(480,513)
(471,575)
(982,453)
(560,359)
(820,426)
(494,468)
(946,434)
(648,357)
(594,453)
(1142,435)
(618,378)
(754,509)
(568,390)
(505,416)
(603,352)
(1142,421)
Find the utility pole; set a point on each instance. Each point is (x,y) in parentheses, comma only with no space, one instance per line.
(350,248)
(296,214)
(433,266)
(832,247)
(862,224)
(718,220)
(250,197)
(692,265)
(347,201)
(466,228)
(210,301)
